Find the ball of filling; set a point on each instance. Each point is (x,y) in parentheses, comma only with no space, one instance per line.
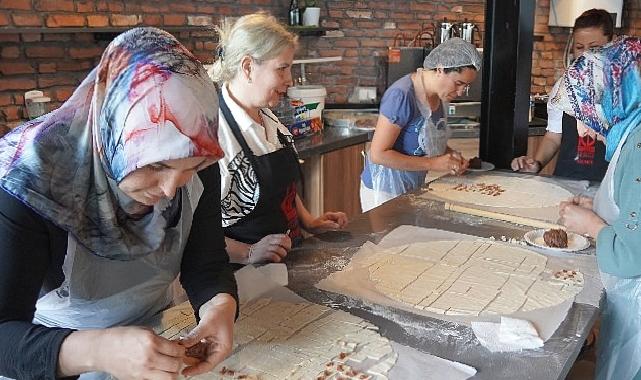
(556,238)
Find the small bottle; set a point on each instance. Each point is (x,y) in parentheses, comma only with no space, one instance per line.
(294,13)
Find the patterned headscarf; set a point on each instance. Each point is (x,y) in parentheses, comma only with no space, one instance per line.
(148,100)
(602,89)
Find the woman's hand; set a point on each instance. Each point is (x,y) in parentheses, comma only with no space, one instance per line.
(526,164)
(579,200)
(271,248)
(331,220)
(137,353)
(580,220)
(452,162)
(210,342)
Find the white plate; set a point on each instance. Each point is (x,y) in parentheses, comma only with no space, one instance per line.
(575,242)
(485,167)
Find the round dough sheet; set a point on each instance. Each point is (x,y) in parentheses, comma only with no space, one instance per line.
(496,191)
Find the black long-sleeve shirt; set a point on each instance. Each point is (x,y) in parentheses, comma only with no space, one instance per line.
(32,251)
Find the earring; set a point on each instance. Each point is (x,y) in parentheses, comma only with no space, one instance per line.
(249,80)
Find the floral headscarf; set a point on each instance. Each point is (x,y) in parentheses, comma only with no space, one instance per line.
(148,100)
(602,89)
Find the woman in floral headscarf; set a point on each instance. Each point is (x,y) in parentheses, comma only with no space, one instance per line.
(603,90)
(100,210)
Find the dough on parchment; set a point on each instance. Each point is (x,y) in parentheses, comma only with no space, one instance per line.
(497,191)
(469,278)
(284,340)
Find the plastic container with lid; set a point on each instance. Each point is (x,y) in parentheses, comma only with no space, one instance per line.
(36,103)
(308,103)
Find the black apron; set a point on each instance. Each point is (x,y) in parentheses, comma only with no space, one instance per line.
(580,157)
(278,174)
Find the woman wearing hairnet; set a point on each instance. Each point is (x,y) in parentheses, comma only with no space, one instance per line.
(603,90)
(411,132)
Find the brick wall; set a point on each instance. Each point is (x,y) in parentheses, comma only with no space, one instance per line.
(57,62)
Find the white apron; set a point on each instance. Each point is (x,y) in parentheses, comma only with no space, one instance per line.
(388,183)
(619,342)
(100,293)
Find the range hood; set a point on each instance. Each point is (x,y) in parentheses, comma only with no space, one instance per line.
(564,12)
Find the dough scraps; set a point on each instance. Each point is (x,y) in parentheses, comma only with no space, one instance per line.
(284,340)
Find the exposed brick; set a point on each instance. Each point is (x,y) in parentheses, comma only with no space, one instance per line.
(45,81)
(63,93)
(85,6)
(31,37)
(346,43)
(57,21)
(207,9)
(88,52)
(26,19)
(44,52)
(131,7)
(125,20)
(539,81)
(74,65)
(199,20)
(5,99)
(183,7)
(110,6)
(17,84)
(47,68)
(374,43)
(84,37)
(9,37)
(13,113)
(95,21)
(10,52)
(16,4)
(54,5)
(173,20)
(155,7)
(154,20)
(13,68)
(59,37)
(4,19)
(359,14)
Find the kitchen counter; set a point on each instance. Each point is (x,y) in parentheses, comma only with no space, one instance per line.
(333,138)
(325,253)
(330,139)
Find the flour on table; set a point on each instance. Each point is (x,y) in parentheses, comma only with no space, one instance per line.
(284,340)
(497,191)
(469,278)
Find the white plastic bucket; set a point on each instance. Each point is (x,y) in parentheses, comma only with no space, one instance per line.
(308,102)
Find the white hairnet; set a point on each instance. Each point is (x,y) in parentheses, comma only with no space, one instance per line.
(455,52)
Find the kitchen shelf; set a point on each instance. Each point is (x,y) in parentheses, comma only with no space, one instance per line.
(310,30)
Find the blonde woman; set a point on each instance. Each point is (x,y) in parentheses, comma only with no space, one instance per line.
(262,213)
